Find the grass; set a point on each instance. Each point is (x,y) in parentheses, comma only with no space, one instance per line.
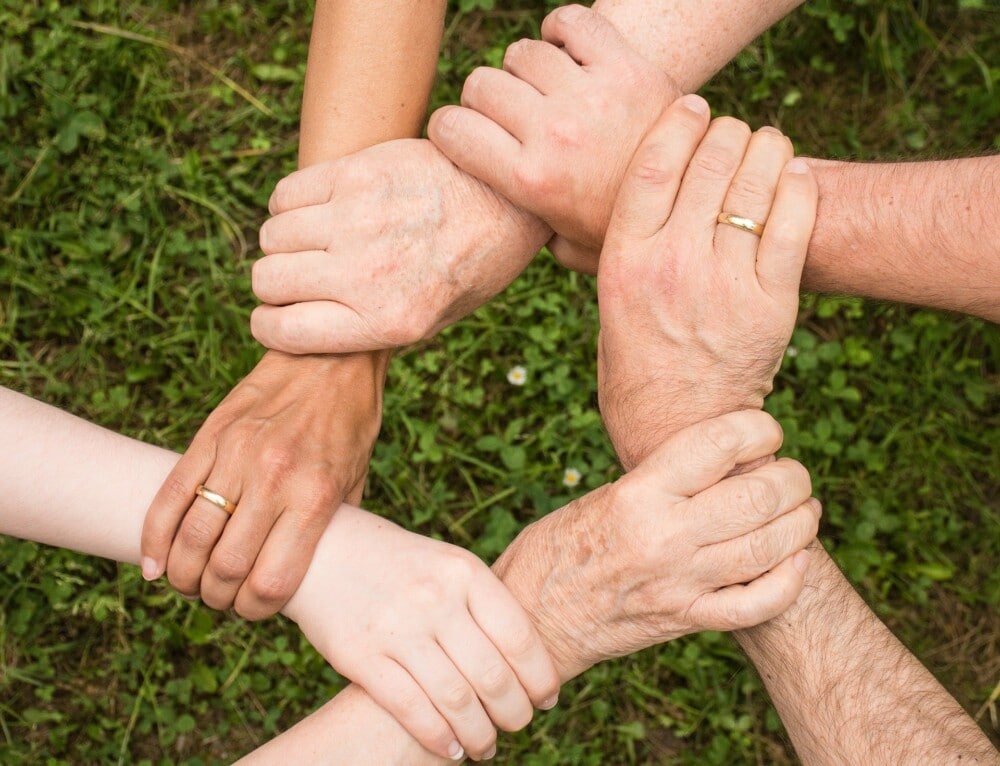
(140,143)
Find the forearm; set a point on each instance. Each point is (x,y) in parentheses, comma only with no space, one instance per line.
(920,232)
(369,74)
(96,504)
(848,691)
(689,39)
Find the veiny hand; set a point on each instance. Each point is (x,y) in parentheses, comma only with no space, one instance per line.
(381,249)
(671,548)
(287,445)
(427,630)
(554,130)
(696,314)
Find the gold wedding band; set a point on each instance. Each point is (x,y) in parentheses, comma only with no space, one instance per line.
(215,499)
(741,222)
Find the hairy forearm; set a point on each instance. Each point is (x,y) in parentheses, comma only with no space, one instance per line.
(689,39)
(920,232)
(370,69)
(848,691)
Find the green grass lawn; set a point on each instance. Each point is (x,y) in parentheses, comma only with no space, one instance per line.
(139,142)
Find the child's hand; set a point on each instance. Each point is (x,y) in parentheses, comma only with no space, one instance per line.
(427,630)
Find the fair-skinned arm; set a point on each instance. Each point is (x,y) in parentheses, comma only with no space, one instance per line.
(294,438)
(847,690)
(578,103)
(338,277)
(743,563)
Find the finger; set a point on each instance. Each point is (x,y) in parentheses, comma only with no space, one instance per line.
(234,555)
(699,456)
(585,34)
(286,278)
(573,256)
(301,228)
(199,531)
(511,103)
(316,327)
(708,179)
(493,680)
(750,196)
(314,185)
(545,67)
(172,501)
(782,252)
(452,695)
(647,194)
(392,687)
(477,145)
(745,558)
(743,606)
(284,557)
(502,618)
(740,504)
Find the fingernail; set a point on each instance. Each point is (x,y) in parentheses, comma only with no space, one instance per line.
(817,505)
(695,103)
(801,561)
(769,129)
(455,751)
(491,753)
(798,166)
(150,569)
(549,703)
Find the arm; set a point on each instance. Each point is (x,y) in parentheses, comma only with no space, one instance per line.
(742,561)
(444,243)
(856,694)
(915,232)
(847,691)
(294,438)
(912,232)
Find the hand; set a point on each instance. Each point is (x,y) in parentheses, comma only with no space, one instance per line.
(695,314)
(382,249)
(554,130)
(287,445)
(427,630)
(671,548)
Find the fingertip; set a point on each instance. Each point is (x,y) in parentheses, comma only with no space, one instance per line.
(151,568)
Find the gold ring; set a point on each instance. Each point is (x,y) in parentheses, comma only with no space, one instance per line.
(741,222)
(215,499)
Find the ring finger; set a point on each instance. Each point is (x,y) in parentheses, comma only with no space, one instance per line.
(201,528)
(750,197)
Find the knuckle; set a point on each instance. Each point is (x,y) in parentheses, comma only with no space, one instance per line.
(271,587)
(496,679)
(516,50)
(761,551)
(279,199)
(714,162)
(758,496)
(520,641)
(531,179)
(650,168)
(567,135)
(752,189)
(723,435)
(231,566)
(275,462)
(197,533)
(457,696)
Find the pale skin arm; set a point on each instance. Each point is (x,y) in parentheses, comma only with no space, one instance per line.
(743,561)
(294,438)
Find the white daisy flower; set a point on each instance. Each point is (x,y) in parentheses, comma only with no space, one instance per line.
(517,376)
(571,477)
